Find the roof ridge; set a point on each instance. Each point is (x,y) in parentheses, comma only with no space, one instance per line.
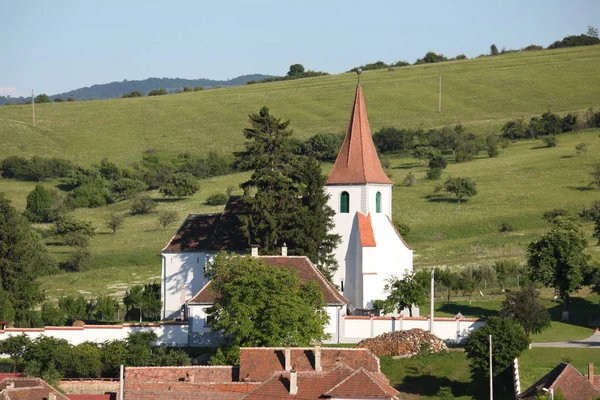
(328,284)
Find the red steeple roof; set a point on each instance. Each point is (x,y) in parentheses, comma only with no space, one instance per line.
(357,161)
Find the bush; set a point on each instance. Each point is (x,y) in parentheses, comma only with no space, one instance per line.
(179,185)
(461,187)
(124,188)
(166,218)
(402,228)
(89,195)
(80,260)
(555,213)
(158,92)
(574,41)
(142,204)
(550,141)
(135,93)
(568,123)
(218,199)
(515,130)
(39,205)
(114,221)
(445,392)
(581,148)
(591,213)
(410,179)
(506,227)
(68,225)
(433,174)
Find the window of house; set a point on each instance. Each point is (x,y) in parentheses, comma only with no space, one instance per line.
(345,202)
(378,202)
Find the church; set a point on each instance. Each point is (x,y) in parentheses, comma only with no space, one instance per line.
(371,249)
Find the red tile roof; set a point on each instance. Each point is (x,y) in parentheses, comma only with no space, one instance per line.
(362,383)
(367,236)
(306,270)
(214,232)
(27,389)
(259,363)
(91,396)
(357,161)
(566,379)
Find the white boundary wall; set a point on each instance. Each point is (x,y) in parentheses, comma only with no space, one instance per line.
(172,334)
(351,329)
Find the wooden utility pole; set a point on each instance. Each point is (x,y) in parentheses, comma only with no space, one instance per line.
(491,373)
(33,106)
(440,96)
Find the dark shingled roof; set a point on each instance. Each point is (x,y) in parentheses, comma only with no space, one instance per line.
(213,232)
(302,265)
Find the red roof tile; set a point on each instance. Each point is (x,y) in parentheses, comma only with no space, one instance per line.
(362,383)
(27,389)
(367,236)
(566,379)
(357,161)
(302,265)
(91,396)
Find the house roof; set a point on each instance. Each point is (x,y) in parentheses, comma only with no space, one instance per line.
(259,363)
(365,228)
(305,269)
(362,383)
(566,378)
(27,389)
(213,232)
(357,161)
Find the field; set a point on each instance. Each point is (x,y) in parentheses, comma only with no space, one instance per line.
(514,188)
(420,379)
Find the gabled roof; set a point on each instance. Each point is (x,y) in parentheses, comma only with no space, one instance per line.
(357,161)
(306,270)
(362,384)
(566,378)
(27,389)
(211,232)
(259,363)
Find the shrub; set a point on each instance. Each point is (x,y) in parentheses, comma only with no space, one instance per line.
(158,92)
(574,41)
(114,221)
(461,187)
(433,174)
(179,185)
(506,227)
(166,218)
(555,213)
(39,205)
(591,213)
(445,392)
(89,195)
(533,47)
(124,188)
(550,141)
(80,260)
(581,148)
(515,130)
(218,199)
(135,93)
(68,225)
(568,123)
(410,179)
(142,204)
(402,228)
(76,239)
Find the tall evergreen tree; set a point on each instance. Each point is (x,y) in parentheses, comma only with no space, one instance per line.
(22,259)
(284,197)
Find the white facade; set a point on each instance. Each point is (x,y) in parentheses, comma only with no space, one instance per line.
(363,270)
(182,276)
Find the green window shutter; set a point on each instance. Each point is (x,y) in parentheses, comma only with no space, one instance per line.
(345,202)
(378,202)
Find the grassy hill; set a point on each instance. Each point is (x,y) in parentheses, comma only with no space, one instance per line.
(481,93)
(515,188)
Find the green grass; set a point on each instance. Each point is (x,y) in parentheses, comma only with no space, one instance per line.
(481,93)
(421,378)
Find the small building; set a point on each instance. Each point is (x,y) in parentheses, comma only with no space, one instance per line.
(566,380)
(20,388)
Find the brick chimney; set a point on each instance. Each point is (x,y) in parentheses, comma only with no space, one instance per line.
(288,357)
(293,382)
(591,373)
(254,250)
(318,366)
(51,396)
(10,385)
(284,250)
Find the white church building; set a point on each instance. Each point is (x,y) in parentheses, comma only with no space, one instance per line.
(371,250)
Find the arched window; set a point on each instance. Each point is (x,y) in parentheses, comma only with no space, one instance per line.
(378,202)
(345,202)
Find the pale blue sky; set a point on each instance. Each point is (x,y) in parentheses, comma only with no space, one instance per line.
(55,46)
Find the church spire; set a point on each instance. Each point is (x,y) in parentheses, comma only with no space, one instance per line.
(357,161)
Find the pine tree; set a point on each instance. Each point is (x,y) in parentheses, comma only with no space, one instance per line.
(284,198)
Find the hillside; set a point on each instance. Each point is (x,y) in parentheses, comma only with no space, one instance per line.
(481,93)
(118,89)
(514,188)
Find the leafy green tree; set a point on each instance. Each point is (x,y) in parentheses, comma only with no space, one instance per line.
(592,32)
(42,98)
(492,143)
(23,258)
(180,184)
(53,315)
(79,260)
(402,293)
(74,307)
(68,224)
(461,187)
(261,305)
(114,354)
(39,205)
(135,93)
(284,198)
(146,298)
(595,175)
(105,308)
(166,218)
(505,269)
(596,233)
(558,260)
(513,130)
(296,70)
(114,222)
(52,357)
(139,348)
(217,199)
(125,188)
(526,309)
(581,148)
(87,361)
(142,204)
(508,342)
(494,50)
(448,279)
(15,347)
(158,92)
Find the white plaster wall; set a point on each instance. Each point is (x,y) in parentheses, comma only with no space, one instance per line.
(386,199)
(182,277)
(331,327)
(168,335)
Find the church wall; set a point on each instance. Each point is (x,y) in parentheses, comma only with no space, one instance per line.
(181,278)
(386,199)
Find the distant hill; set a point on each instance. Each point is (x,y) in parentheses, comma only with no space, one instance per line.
(118,89)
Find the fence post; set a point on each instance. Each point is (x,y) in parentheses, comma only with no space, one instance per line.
(516,377)
(372,325)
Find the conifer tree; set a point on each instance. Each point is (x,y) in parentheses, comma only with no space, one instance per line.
(284,198)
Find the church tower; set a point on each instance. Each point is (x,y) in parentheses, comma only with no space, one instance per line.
(361,195)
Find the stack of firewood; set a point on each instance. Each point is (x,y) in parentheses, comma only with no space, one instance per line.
(404,343)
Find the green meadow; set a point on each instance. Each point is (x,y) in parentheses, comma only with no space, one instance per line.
(482,94)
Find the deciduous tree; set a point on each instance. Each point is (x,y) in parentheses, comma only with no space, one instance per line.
(461,187)
(405,292)
(180,184)
(524,307)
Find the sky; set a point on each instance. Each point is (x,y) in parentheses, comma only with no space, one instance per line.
(61,45)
